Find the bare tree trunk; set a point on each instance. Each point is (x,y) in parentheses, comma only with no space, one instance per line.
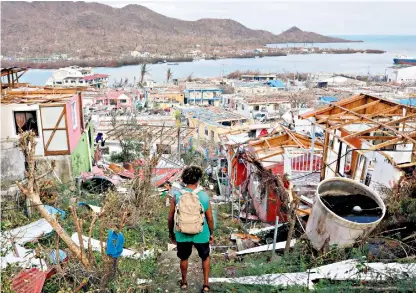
(77,227)
(292,220)
(91,257)
(27,144)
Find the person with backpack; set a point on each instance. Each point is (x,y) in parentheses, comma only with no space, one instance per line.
(191,224)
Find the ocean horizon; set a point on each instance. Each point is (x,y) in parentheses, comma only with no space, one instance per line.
(359,63)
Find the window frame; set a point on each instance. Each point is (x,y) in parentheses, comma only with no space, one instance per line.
(74,115)
(28,111)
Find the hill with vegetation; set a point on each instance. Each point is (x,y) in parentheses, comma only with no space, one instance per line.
(80,29)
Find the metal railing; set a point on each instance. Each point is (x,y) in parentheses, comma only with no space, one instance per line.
(300,160)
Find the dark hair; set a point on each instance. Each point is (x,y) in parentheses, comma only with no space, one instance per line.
(191,175)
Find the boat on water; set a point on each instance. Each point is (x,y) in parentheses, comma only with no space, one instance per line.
(173,63)
(405,60)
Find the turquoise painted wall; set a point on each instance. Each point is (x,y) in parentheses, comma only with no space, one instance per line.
(79,157)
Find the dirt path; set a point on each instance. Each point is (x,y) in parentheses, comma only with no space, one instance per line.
(169,273)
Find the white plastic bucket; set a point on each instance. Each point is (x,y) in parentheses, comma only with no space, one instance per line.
(326,226)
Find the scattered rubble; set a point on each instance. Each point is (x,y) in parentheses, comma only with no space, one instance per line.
(95,244)
(340,271)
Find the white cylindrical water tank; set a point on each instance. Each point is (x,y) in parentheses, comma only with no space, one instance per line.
(326,226)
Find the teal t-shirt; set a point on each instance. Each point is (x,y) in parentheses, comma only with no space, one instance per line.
(202,237)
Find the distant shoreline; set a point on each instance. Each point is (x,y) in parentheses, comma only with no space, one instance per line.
(115,63)
(334,42)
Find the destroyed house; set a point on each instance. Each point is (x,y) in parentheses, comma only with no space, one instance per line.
(161,139)
(211,122)
(56,117)
(257,170)
(368,139)
(10,77)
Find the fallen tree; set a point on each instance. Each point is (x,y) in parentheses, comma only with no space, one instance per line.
(30,189)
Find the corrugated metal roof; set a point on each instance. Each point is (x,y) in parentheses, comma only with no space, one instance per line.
(408,102)
(29,281)
(328,99)
(276,83)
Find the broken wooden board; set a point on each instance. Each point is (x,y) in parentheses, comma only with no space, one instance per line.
(257,231)
(240,236)
(239,243)
(267,247)
(303,212)
(306,200)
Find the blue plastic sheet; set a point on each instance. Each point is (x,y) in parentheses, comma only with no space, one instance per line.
(53,211)
(115,244)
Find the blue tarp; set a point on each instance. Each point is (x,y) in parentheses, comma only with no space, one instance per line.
(328,99)
(54,211)
(276,83)
(408,102)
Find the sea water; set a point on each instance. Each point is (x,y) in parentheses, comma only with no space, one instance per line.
(331,63)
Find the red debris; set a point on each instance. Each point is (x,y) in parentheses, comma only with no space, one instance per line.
(29,281)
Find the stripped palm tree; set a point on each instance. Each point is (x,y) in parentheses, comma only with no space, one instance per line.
(169,74)
(143,71)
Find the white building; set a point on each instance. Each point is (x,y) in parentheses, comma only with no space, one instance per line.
(247,88)
(401,74)
(342,80)
(137,54)
(250,107)
(74,76)
(202,94)
(193,53)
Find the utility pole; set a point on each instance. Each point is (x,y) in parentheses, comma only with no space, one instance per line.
(179,144)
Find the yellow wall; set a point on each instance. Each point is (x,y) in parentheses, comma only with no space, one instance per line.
(213,131)
(178,97)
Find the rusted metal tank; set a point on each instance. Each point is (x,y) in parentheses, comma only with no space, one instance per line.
(328,225)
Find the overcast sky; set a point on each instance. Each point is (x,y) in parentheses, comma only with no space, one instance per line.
(331,17)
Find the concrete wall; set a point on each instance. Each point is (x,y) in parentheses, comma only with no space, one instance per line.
(204,95)
(63,168)
(249,110)
(211,133)
(12,161)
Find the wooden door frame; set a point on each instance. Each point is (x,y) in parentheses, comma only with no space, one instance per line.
(54,129)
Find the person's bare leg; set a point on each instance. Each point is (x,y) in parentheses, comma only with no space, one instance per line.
(205,270)
(184,270)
